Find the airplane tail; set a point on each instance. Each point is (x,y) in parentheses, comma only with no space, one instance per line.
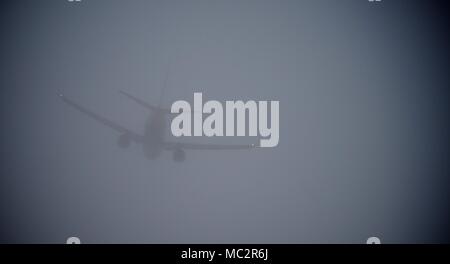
(145,104)
(164,88)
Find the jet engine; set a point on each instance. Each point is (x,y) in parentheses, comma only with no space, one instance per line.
(124,141)
(179,155)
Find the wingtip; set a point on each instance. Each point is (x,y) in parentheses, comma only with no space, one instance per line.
(58,92)
(125,93)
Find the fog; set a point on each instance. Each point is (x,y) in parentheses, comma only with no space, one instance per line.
(363,144)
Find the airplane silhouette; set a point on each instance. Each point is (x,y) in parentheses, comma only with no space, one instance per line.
(153,139)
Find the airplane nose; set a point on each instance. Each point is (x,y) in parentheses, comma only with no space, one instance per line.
(152,153)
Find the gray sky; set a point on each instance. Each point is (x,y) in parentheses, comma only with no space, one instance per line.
(363,121)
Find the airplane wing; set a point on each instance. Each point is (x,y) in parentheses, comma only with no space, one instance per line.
(134,136)
(194,146)
(145,104)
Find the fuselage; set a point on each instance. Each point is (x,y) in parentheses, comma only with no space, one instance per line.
(154,135)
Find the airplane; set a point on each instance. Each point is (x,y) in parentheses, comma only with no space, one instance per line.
(153,138)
